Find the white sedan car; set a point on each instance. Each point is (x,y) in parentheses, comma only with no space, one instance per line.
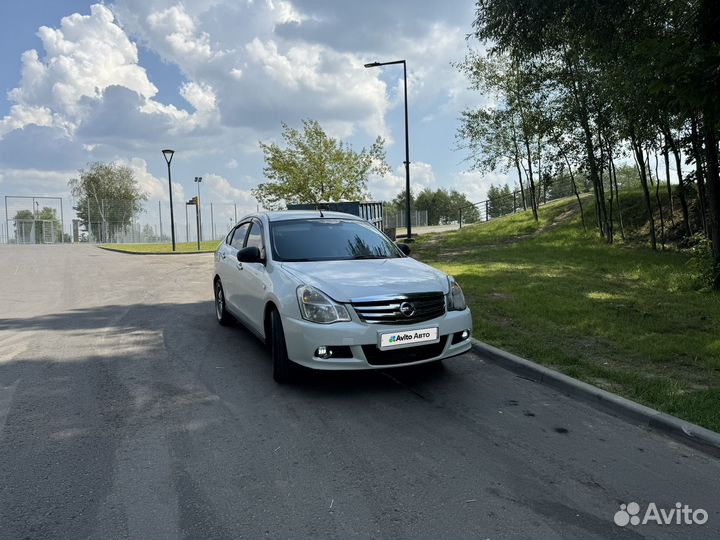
(330,291)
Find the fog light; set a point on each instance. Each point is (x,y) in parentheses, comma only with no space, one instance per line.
(459,337)
(323,352)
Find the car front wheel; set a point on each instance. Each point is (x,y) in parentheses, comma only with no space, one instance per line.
(221,312)
(283,368)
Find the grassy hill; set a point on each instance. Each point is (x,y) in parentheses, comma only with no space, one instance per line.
(621,317)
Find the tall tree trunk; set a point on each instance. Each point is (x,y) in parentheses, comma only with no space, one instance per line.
(577,194)
(522,188)
(607,218)
(697,149)
(713,191)
(533,193)
(584,117)
(572,176)
(666,157)
(525,134)
(611,222)
(543,186)
(657,197)
(681,183)
(617,195)
(667,181)
(640,162)
(517,162)
(709,19)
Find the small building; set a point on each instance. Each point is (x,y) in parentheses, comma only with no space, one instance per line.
(371,211)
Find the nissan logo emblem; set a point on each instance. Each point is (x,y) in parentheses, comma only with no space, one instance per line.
(407,309)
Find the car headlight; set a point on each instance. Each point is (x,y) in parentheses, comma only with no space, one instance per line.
(456,298)
(317,307)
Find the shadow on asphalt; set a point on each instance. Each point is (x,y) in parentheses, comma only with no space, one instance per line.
(115,402)
(189,331)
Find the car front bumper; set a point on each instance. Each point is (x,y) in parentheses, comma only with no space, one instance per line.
(303,339)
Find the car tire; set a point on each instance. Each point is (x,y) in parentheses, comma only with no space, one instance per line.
(283,368)
(221,312)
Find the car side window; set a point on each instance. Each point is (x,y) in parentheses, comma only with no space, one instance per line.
(238,237)
(255,237)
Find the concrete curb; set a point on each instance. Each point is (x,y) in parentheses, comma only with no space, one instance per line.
(674,427)
(155,252)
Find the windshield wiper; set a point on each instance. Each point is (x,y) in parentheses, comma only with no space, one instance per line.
(370,257)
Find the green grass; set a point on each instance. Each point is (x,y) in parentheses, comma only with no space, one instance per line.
(621,317)
(184,247)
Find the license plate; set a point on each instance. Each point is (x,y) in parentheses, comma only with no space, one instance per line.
(405,338)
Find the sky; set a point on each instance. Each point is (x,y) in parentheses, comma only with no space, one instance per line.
(120,81)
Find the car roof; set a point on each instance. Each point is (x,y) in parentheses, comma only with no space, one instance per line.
(285,215)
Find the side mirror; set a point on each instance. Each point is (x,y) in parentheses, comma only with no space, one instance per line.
(404,248)
(250,254)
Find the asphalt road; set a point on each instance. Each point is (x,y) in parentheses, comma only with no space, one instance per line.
(126,411)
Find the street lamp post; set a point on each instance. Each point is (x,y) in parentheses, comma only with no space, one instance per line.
(198,179)
(168,154)
(407,144)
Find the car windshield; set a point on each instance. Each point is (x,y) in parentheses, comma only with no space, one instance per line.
(328,240)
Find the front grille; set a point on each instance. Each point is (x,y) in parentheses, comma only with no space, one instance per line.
(376,357)
(387,310)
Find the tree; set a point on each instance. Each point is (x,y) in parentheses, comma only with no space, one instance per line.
(107,197)
(443,206)
(397,205)
(26,222)
(435,203)
(470,213)
(500,201)
(505,134)
(314,167)
(619,79)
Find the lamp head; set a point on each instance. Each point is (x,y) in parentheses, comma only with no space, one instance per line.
(372,64)
(168,155)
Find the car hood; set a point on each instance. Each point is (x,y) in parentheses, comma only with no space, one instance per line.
(347,280)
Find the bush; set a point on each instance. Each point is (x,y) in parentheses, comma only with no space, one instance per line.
(703,270)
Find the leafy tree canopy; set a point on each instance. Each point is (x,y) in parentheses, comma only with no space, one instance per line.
(442,206)
(107,197)
(313,167)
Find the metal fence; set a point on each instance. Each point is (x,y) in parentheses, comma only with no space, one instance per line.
(397,220)
(33,220)
(104,221)
(114,222)
(513,202)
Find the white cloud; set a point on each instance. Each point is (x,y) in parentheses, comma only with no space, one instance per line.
(387,187)
(39,183)
(247,66)
(23,115)
(475,185)
(258,80)
(153,187)
(180,37)
(224,190)
(68,87)
(228,199)
(83,57)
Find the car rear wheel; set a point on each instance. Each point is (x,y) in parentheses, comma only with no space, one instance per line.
(283,368)
(221,312)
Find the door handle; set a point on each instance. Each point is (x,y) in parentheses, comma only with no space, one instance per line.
(239,266)
(222,255)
